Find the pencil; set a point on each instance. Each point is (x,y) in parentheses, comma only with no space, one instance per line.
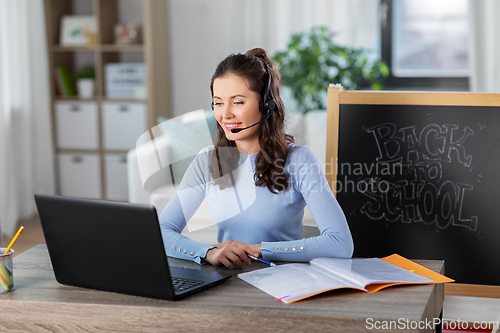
(13,240)
(5,279)
(4,283)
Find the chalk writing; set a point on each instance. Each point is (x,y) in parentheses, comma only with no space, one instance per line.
(434,143)
(423,193)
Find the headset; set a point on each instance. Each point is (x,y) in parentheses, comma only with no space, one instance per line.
(266,106)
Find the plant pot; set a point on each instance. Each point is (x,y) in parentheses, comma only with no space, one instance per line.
(85,88)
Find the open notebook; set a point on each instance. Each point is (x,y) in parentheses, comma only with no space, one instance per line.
(293,282)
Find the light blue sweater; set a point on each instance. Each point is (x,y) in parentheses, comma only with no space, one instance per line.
(251,214)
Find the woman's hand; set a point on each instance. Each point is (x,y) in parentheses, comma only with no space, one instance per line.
(231,253)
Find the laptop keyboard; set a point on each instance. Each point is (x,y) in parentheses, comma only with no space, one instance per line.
(181,284)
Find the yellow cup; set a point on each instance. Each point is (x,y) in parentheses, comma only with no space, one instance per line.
(6,271)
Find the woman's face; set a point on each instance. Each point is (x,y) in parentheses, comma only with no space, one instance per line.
(236,106)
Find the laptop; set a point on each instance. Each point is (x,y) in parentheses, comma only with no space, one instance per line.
(114,246)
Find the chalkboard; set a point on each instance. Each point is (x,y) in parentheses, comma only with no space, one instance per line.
(422,180)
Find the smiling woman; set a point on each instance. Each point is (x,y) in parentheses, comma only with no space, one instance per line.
(237,107)
(252,75)
(256,179)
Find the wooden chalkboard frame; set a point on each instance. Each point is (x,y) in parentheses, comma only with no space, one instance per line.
(338,97)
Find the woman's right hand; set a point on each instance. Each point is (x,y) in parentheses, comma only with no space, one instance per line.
(229,254)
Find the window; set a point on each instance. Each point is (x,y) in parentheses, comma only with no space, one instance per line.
(425,43)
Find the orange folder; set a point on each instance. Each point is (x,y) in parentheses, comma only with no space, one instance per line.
(411,266)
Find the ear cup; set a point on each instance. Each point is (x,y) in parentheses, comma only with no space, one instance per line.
(270,105)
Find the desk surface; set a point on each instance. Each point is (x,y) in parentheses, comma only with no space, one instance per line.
(39,304)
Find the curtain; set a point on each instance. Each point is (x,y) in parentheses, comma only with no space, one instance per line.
(203,32)
(26,153)
(484,45)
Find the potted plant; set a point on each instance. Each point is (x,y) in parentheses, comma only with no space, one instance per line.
(86,81)
(313,60)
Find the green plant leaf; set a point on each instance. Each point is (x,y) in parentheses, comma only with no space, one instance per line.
(312,60)
(86,72)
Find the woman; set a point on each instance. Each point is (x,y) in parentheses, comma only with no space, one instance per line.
(256,179)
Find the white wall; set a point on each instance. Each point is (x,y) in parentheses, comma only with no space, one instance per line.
(204,32)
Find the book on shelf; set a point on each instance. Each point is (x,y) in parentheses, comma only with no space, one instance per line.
(58,85)
(294,282)
(65,83)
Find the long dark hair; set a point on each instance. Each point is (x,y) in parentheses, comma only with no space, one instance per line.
(273,141)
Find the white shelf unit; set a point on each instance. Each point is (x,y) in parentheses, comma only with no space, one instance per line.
(92,136)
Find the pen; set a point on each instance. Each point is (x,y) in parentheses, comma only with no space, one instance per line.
(13,240)
(272,264)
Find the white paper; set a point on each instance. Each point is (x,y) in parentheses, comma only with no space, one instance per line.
(368,271)
(292,282)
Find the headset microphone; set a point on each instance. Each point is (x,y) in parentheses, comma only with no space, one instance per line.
(237,130)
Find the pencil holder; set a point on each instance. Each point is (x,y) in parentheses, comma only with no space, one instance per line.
(6,271)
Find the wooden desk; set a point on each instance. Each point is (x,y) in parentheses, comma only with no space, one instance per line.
(40,304)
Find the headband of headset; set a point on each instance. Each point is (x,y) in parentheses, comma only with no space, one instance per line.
(269,103)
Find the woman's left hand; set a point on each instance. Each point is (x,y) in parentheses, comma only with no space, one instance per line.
(252,249)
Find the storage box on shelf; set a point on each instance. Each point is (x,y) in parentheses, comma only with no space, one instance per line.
(115,172)
(123,123)
(79,175)
(127,80)
(77,125)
